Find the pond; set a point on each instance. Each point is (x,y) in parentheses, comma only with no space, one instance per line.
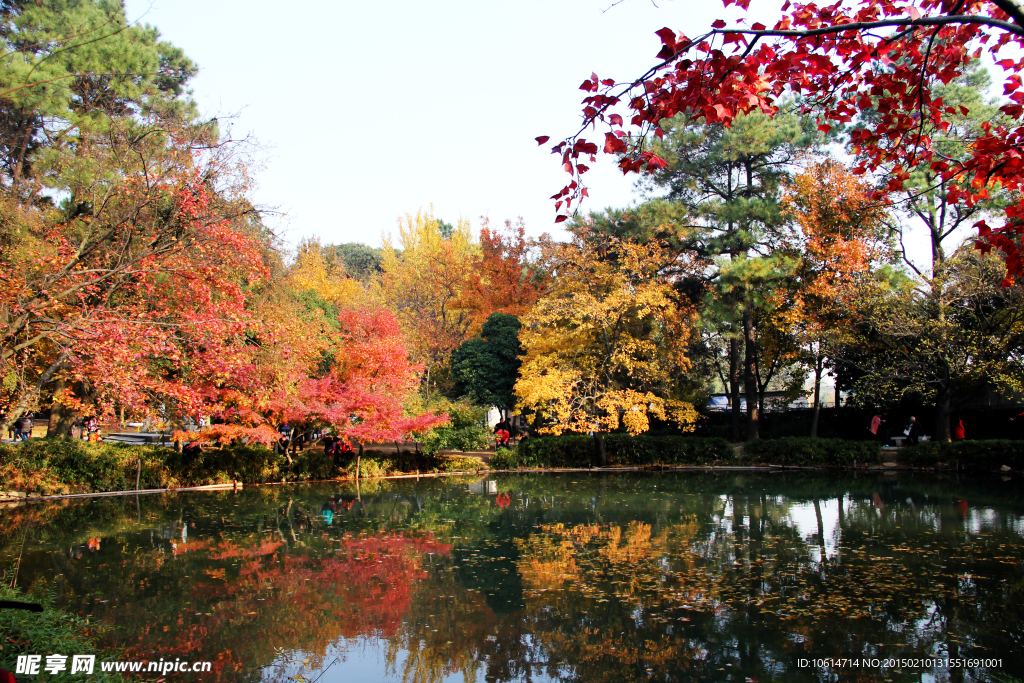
(726,576)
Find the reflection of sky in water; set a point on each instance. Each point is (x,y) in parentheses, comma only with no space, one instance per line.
(625,577)
(805,521)
(358,660)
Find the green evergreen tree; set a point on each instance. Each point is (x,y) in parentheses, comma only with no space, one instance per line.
(485,368)
(729,180)
(70,69)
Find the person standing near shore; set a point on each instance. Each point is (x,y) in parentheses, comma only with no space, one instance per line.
(880,427)
(913,432)
(959,433)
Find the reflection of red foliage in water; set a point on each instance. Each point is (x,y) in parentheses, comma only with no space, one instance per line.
(190,547)
(227,549)
(363,588)
(962,504)
(503,500)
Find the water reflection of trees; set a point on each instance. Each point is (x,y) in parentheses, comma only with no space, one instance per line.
(581,579)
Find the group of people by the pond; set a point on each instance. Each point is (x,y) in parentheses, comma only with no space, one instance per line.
(84,428)
(912,433)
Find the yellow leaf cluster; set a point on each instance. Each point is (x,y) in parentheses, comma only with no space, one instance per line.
(423,282)
(311,273)
(606,345)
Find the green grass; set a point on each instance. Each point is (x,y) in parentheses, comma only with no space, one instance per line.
(52,631)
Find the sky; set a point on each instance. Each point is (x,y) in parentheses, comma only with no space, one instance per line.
(367,111)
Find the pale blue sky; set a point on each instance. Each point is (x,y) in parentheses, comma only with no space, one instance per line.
(367,110)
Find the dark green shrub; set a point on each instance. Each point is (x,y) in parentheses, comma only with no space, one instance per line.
(567,450)
(313,464)
(666,450)
(978,455)
(577,450)
(805,451)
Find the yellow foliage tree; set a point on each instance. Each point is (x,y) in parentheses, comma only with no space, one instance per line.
(605,347)
(424,284)
(312,273)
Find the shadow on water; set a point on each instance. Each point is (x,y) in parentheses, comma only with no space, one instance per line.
(735,576)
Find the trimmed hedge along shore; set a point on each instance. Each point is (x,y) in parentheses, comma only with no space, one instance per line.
(802,451)
(578,450)
(52,467)
(574,450)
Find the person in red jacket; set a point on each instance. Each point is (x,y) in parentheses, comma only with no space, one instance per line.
(958,429)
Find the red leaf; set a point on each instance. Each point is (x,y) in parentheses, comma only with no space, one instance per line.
(667,35)
(542,139)
(615,120)
(561,218)
(718,23)
(757,26)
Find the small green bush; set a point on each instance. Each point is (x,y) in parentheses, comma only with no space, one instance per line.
(805,451)
(977,455)
(371,466)
(505,459)
(313,464)
(459,463)
(464,432)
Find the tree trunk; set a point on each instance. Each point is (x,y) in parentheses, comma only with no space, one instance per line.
(817,392)
(749,381)
(734,386)
(602,455)
(53,425)
(943,412)
(359,457)
(28,398)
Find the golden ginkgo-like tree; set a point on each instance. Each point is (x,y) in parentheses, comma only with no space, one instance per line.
(606,346)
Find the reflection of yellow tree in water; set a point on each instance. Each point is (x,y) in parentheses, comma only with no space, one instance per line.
(610,599)
(604,562)
(445,630)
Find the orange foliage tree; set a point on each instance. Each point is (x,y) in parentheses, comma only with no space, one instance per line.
(839,235)
(505,279)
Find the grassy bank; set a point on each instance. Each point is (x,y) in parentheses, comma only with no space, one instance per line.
(50,631)
(53,466)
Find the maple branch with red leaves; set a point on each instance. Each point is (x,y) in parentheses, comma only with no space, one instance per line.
(831,57)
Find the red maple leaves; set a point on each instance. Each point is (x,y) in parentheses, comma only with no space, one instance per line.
(844,59)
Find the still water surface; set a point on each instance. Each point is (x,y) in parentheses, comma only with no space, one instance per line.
(661,577)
